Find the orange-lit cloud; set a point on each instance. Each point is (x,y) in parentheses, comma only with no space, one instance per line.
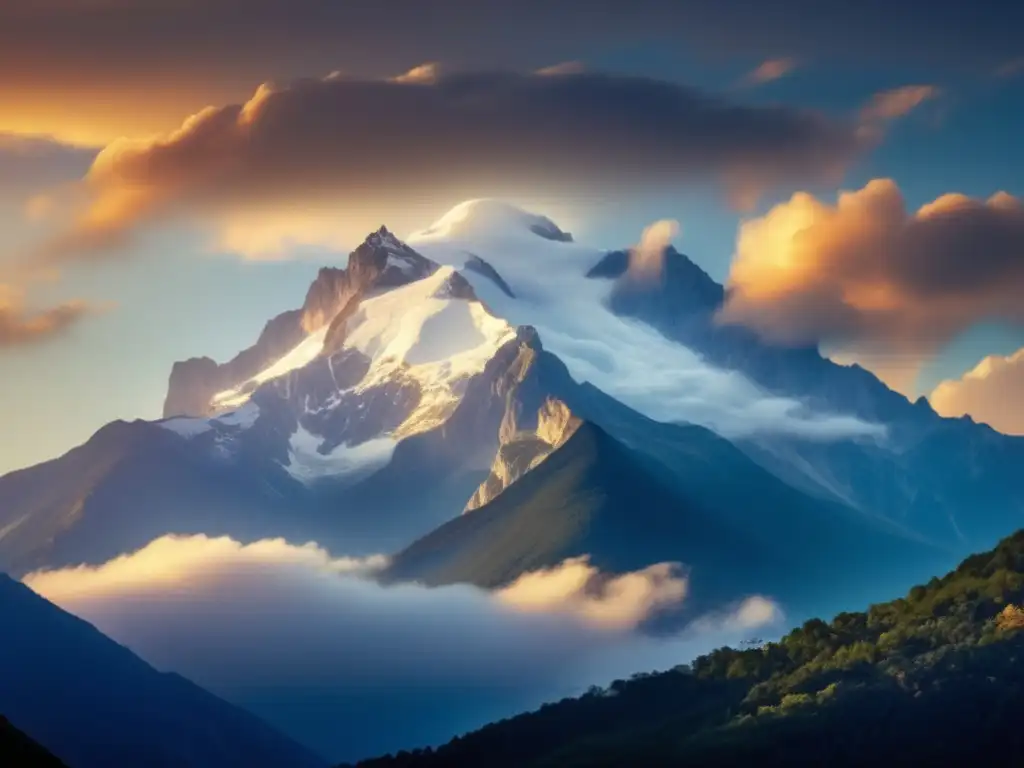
(898,102)
(563,68)
(991,392)
(340,142)
(769,70)
(21,326)
(577,587)
(646,259)
(869,278)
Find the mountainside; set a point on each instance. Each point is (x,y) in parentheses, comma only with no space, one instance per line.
(200,386)
(930,474)
(737,528)
(19,750)
(419,387)
(935,678)
(94,704)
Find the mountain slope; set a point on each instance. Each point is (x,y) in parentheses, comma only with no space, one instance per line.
(739,529)
(200,386)
(19,750)
(95,704)
(935,678)
(930,472)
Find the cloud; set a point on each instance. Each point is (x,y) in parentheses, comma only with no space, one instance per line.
(426,74)
(20,326)
(871,279)
(898,102)
(340,140)
(992,392)
(770,69)
(94,71)
(563,68)
(31,164)
(576,587)
(645,261)
(353,668)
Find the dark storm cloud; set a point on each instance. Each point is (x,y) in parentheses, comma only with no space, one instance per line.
(468,134)
(273,37)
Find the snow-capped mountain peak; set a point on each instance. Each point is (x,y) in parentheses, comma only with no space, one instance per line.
(491,218)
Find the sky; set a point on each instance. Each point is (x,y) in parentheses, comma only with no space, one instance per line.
(174,172)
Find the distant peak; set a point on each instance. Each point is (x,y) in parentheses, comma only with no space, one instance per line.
(384,238)
(489,217)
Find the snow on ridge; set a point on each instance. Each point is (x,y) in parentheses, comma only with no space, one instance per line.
(345,462)
(194,426)
(300,355)
(625,358)
(243,418)
(186,426)
(487,217)
(416,332)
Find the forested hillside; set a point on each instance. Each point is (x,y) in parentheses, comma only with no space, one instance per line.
(936,677)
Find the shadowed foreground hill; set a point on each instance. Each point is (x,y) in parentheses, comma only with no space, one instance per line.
(935,678)
(95,704)
(17,749)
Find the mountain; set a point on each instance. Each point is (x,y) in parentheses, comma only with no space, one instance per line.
(95,704)
(934,678)
(739,529)
(931,473)
(425,387)
(19,750)
(200,386)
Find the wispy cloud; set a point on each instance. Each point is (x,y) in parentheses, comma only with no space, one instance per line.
(769,70)
(897,102)
(21,326)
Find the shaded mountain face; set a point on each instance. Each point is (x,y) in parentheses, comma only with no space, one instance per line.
(19,750)
(94,704)
(689,497)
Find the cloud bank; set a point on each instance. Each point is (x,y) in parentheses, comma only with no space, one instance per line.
(992,392)
(21,326)
(135,67)
(352,668)
(869,278)
(328,142)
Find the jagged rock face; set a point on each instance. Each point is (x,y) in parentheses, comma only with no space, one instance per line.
(380,262)
(524,446)
(195,381)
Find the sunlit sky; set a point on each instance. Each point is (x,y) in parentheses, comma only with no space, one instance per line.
(169,272)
